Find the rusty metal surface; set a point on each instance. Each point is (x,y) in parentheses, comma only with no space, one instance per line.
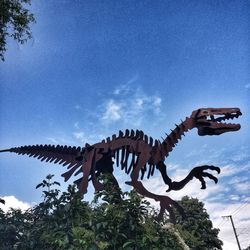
(137,154)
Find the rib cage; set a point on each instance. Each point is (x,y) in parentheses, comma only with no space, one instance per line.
(129,161)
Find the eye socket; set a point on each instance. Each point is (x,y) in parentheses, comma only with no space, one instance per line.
(205,112)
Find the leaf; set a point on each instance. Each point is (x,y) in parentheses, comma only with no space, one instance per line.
(127,244)
(49,176)
(39,185)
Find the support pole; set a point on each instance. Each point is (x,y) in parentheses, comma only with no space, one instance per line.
(236,236)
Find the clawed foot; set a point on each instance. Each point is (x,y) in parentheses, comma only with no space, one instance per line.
(168,204)
(199,173)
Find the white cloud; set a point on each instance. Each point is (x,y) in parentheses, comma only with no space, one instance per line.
(232,169)
(229,170)
(139,102)
(133,79)
(123,89)
(157,101)
(79,136)
(61,138)
(13,202)
(234,197)
(112,112)
(130,105)
(53,140)
(241,187)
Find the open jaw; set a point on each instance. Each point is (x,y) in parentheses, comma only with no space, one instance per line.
(210,121)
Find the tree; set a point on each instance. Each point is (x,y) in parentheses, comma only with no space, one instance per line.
(196,228)
(15,22)
(114,220)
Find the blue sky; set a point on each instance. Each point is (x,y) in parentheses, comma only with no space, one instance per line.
(94,67)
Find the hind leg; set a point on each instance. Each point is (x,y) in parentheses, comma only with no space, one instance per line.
(166,203)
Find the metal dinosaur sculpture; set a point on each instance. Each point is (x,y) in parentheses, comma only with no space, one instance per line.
(137,154)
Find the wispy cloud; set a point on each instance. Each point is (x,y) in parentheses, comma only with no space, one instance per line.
(130,105)
(243,186)
(52,140)
(113,111)
(124,89)
(79,135)
(60,138)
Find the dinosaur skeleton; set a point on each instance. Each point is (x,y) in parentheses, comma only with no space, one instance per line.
(136,154)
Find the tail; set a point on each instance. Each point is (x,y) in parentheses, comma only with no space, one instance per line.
(65,155)
(5,150)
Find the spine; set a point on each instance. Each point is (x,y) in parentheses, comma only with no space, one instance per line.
(173,138)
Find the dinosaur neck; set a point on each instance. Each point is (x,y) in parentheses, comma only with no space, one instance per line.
(172,139)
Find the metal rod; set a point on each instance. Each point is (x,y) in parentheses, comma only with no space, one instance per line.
(236,236)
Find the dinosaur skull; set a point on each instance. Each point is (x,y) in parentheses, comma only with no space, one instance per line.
(209,120)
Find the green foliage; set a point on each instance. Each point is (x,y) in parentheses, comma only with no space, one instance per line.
(14,22)
(114,220)
(197,229)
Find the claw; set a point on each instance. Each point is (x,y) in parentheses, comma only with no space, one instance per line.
(199,174)
(169,188)
(210,176)
(203,183)
(206,167)
(170,210)
(215,168)
(168,204)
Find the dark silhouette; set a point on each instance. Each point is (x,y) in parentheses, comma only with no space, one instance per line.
(137,154)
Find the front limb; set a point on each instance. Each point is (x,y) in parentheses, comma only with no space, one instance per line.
(197,172)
